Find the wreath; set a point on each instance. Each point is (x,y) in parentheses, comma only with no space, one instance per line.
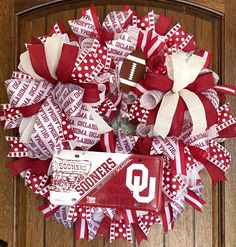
(129,88)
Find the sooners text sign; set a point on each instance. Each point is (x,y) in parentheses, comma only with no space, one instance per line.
(127,181)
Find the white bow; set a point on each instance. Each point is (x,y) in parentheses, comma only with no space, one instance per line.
(182,72)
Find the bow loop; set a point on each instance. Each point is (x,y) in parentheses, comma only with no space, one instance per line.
(176,69)
(182,71)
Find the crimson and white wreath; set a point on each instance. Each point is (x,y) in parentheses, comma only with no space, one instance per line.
(116,121)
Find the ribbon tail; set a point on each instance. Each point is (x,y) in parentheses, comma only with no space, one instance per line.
(103,127)
(37,166)
(202,156)
(231,90)
(130,217)
(165,114)
(195,201)
(178,165)
(229,132)
(140,235)
(104,228)
(196,110)
(216,174)
(48,209)
(167,218)
(81,229)
(163,24)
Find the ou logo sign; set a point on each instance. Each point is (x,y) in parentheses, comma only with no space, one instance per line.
(138,184)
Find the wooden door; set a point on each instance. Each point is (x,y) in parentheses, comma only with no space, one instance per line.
(213,23)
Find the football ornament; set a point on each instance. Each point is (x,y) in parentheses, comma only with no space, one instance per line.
(132,70)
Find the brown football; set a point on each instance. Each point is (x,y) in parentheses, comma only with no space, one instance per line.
(132,70)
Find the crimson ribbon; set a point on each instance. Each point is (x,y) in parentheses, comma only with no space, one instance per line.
(195,197)
(104,228)
(39,63)
(105,36)
(163,23)
(50,211)
(107,142)
(95,18)
(35,41)
(139,233)
(154,81)
(61,27)
(30,110)
(156,62)
(129,19)
(60,24)
(64,71)
(202,156)
(37,166)
(66,63)
(167,218)
(91,92)
(143,145)
(78,226)
(228,132)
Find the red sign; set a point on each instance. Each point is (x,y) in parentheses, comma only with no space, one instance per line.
(127,181)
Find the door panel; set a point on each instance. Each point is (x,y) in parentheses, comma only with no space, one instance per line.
(20,212)
(228,189)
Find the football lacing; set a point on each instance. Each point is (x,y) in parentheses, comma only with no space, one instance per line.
(133,68)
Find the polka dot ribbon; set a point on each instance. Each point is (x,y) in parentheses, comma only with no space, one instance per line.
(145,21)
(138,113)
(18,149)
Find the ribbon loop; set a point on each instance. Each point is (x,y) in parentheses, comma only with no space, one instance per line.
(177,71)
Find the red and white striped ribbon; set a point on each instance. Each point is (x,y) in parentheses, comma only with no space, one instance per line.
(107,142)
(81,229)
(167,218)
(48,209)
(194,200)
(130,216)
(179,163)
